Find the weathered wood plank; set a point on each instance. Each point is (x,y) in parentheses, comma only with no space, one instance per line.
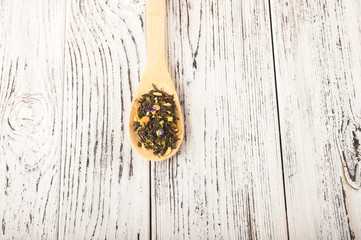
(317,52)
(104,183)
(31,67)
(226,181)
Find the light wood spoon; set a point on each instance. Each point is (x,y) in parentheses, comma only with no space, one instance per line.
(156,72)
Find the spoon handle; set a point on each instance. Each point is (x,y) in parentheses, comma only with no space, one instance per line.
(155,14)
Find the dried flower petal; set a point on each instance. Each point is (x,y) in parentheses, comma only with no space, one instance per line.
(149,109)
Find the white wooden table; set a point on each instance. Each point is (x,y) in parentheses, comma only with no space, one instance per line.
(271,94)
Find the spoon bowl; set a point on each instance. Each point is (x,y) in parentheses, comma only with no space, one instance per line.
(156,73)
(163,81)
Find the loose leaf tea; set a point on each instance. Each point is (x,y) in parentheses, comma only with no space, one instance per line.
(155,122)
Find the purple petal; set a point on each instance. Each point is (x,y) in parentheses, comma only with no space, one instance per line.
(149,109)
(161,132)
(143,134)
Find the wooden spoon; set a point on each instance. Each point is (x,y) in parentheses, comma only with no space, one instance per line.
(156,72)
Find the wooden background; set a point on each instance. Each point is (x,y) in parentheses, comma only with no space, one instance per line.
(271,94)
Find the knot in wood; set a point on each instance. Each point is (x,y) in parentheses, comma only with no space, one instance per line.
(27,130)
(26,113)
(350,149)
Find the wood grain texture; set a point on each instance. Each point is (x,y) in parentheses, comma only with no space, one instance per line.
(226,181)
(104,183)
(317,51)
(31,62)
